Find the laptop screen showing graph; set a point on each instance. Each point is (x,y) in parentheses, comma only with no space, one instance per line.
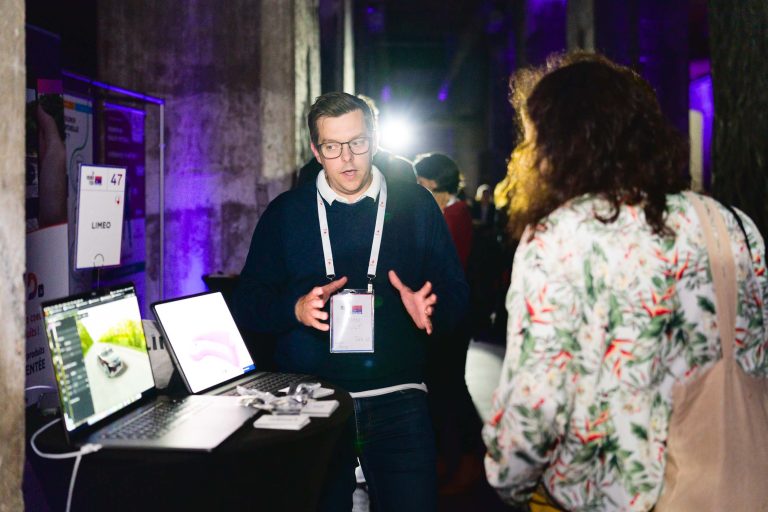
(99,354)
(204,339)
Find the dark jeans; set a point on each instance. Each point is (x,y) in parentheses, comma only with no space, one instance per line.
(396,446)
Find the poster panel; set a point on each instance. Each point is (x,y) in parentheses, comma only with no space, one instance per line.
(46,275)
(45,279)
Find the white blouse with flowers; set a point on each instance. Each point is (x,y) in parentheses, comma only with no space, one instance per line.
(603,320)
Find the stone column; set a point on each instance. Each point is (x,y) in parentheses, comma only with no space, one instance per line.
(739,44)
(238,78)
(12,251)
(580,32)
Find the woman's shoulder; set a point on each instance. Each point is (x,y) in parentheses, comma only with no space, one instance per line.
(736,220)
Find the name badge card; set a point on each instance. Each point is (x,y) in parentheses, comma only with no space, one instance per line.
(352,321)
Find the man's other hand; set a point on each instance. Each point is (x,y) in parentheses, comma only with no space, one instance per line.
(309,308)
(420,305)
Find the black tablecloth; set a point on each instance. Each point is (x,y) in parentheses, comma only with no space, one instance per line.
(254,469)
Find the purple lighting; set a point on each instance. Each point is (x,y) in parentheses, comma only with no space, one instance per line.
(386,94)
(442,95)
(374,20)
(108,87)
(701,99)
(123,108)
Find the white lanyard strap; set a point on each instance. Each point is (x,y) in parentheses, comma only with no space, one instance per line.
(375,247)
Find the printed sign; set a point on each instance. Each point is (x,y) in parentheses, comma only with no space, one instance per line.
(45,279)
(100,215)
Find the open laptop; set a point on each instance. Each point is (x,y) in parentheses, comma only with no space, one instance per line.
(209,351)
(105,383)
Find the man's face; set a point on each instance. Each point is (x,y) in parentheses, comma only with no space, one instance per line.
(349,175)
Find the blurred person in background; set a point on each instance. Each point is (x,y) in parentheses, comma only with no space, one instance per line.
(439,174)
(483,209)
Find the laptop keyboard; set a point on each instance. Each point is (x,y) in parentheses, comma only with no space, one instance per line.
(155,422)
(273,382)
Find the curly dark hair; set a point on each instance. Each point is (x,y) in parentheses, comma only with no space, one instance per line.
(598,129)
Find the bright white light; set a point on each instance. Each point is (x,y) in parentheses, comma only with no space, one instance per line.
(396,134)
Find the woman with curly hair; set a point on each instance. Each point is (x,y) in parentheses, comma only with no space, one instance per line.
(611,302)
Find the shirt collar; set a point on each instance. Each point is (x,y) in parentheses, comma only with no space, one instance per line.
(330,195)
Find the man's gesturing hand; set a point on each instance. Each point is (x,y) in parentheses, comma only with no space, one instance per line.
(420,304)
(309,308)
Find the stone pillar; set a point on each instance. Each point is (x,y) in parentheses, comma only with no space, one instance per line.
(349,49)
(739,44)
(12,251)
(238,78)
(581,25)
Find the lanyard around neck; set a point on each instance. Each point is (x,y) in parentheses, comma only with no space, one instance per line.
(377,232)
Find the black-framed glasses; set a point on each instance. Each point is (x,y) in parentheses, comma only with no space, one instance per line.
(358,146)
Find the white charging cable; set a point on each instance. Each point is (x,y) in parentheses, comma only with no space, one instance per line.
(78,455)
(49,388)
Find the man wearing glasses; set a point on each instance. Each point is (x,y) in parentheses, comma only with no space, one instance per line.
(328,258)
(392,166)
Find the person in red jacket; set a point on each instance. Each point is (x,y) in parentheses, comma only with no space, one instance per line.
(440,175)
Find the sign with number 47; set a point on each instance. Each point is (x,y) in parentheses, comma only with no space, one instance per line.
(100,215)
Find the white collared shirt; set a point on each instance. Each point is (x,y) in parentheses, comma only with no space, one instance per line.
(330,195)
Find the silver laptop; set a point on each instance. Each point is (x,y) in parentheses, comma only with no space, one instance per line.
(209,351)
(105,383)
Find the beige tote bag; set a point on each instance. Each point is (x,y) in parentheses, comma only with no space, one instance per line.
(717,450)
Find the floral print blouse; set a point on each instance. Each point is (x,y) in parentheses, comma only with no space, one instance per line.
(603,319)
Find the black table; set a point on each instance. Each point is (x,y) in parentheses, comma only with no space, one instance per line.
(255,469)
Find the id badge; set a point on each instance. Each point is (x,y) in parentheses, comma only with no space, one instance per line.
(352,321)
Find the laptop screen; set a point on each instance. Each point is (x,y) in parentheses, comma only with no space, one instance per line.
(204,340)
(98,352)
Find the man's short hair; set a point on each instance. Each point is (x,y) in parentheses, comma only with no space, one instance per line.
(336,104)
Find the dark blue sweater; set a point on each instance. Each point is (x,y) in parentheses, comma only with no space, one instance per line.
(285,261)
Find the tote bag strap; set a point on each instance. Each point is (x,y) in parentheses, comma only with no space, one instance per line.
(721,265)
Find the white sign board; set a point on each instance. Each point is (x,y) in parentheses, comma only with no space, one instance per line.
(100,215)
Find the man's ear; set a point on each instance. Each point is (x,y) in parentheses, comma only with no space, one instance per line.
(315,152)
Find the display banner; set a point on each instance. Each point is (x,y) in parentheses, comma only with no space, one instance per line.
(100,207)
(45,279)
(124,145)
(78,126)
(46,166)
(47,271)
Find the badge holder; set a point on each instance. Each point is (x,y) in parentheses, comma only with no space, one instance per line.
(352,322)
